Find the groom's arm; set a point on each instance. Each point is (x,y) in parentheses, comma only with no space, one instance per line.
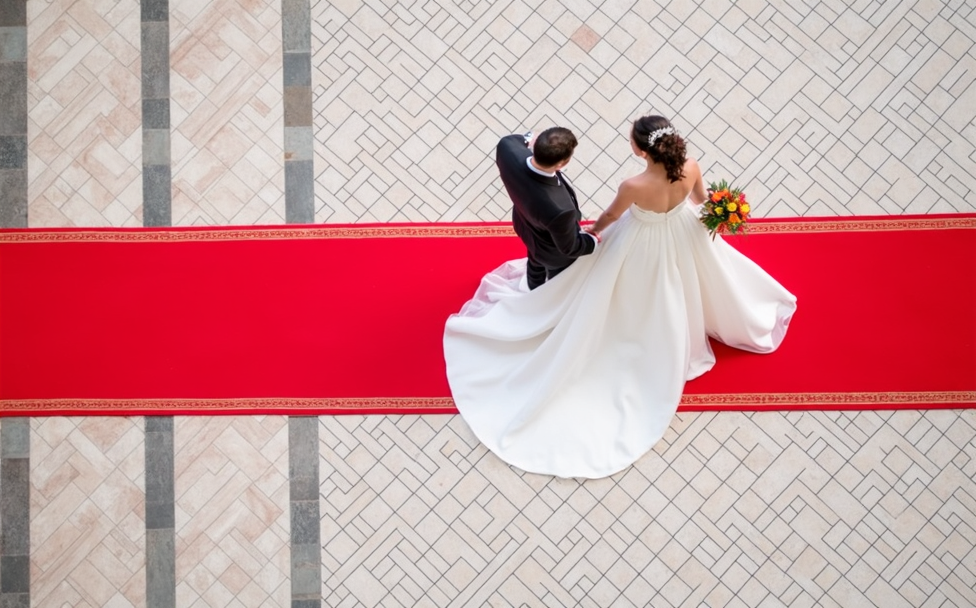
(567,236)
(511,150)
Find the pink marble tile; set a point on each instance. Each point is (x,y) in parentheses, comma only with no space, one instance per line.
(585,37)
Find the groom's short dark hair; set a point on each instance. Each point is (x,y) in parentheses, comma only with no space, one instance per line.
(553,146)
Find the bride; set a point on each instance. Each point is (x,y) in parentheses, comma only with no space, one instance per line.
(581,376)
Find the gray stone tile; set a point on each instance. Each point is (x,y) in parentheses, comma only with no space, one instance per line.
(13,44)
(159,480)
(296,28)
(159,424)
(15,506)
(13,151)
(15,438)
(155,113)
(155,147)
(299,193)
(13,13)
(154,10)
(16,574)
(303,457)
(159,467)
(157,195)
(305,522)
(155,60)
(298,143)
(313,603)
(306,570)
(13,198)
(304,487)
(298,106)
(160,568)
(306,553)
(15,600)
(160,515)
(298,70)
(13,98)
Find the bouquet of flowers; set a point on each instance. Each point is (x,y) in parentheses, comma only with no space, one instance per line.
(725,210)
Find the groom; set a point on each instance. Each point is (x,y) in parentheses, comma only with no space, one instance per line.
(545,212)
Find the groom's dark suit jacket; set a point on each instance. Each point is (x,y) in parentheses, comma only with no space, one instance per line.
(545,215)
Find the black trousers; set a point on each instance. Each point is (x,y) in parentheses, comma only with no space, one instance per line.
(536,274)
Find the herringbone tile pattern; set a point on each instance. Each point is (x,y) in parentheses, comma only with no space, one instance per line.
(228,134)
(764,509)
(85,119)
(232,527)
(87,509)
(819,109)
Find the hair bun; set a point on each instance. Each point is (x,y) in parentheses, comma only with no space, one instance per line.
(649,135)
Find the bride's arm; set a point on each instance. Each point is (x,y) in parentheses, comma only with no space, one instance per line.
(612,213)
(693,171)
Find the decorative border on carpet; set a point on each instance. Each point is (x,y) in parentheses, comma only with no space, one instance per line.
(255,233)
(352,405)
(445,405)
(815,401)
(856,224)
(392,231)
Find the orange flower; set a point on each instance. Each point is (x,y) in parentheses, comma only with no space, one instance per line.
(734,218)
(716,197)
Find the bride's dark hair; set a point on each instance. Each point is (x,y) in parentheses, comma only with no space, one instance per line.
(668,149)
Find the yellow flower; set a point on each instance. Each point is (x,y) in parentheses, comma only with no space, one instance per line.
(719,211)
(745,207)
(732,207)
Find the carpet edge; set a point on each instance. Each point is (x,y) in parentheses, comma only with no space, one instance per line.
(445,405)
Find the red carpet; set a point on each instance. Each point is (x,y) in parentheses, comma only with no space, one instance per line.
(349,319)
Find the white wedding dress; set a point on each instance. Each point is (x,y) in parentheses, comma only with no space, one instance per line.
(581,376)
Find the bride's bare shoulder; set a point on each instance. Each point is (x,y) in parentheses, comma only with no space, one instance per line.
(631,182)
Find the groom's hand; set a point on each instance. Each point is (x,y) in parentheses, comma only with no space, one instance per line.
(596,235)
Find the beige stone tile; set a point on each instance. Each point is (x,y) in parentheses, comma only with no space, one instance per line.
(228,195)
(118,497)
(203,169)
(81,524)
(228,87)
(230,503)
(95,587)
(85,104)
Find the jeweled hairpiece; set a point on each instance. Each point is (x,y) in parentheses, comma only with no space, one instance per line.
(654,135)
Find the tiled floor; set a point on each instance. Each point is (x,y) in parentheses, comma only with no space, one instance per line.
(84,134)
(817,108)
(227,112)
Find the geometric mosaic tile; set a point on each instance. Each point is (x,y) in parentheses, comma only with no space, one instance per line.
(730,509)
